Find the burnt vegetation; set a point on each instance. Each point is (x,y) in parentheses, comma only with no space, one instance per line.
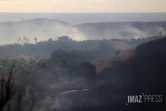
(92,75)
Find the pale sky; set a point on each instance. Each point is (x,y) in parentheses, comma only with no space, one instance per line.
(82,5)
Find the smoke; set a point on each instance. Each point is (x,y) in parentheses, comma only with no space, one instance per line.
(42,29)
(122,30)
(55,90)
(125,32)
(159,28)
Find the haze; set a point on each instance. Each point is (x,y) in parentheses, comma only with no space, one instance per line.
(82,5)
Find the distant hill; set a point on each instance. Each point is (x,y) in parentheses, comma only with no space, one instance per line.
(122,30)
(41,28)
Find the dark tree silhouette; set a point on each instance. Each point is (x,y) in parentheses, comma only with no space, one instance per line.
(64,39)
(19,39)
(7,89)
(35,39)
(161,34)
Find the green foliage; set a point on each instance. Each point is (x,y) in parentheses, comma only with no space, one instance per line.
(66,58)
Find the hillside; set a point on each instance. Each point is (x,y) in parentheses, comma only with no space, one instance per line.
(41,28)
(68,81)
(44,29)
(144,72)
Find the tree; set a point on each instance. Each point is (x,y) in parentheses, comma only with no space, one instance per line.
(64,39)
(50,40)
(6,90)
(66,58)
(25,38)
(19,39)
(35,39)
(161,34)
(28,40)
(88,70)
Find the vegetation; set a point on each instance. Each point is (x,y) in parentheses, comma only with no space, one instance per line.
(6,89)
(67,75)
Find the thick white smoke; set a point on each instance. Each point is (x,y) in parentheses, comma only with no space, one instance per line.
(42,29)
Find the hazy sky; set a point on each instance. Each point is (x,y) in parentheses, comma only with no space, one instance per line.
(82,5)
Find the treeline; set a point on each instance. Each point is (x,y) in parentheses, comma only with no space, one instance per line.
(66,43)
(51,45)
